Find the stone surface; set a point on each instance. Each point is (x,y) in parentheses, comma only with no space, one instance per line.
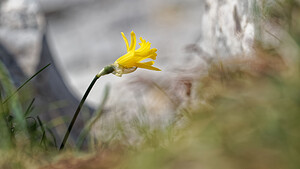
(227,28)
(21,31)
(24,50)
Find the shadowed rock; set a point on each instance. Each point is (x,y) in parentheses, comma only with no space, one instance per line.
(24,50)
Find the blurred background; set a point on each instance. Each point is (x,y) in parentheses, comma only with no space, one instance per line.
(79,38)
(85,35)
(227,95)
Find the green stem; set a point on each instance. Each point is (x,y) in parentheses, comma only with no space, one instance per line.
(77,112)
(91,123)
(106,70)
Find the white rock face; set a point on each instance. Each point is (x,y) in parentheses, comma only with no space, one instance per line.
(227,28)
(21,29)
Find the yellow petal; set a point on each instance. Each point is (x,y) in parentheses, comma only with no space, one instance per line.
(147,66)
(126,41)
(148,63)
(132,41)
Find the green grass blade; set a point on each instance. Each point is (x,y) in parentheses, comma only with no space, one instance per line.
(28,80)
(44,137)
(29,108)
(52,135)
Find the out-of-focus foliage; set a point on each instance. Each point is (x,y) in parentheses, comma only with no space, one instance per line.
(23,136)
(246,115)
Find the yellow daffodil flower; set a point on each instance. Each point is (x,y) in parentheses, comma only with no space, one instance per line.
(132,59)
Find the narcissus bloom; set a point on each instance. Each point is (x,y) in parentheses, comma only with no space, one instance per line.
(132,59)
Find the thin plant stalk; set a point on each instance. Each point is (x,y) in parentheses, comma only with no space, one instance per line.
(91,123)
(28,80)
(106,70)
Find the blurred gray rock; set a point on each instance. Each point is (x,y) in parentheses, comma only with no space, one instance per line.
(53,6)
(21,31)
(227,28)
(24,50)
